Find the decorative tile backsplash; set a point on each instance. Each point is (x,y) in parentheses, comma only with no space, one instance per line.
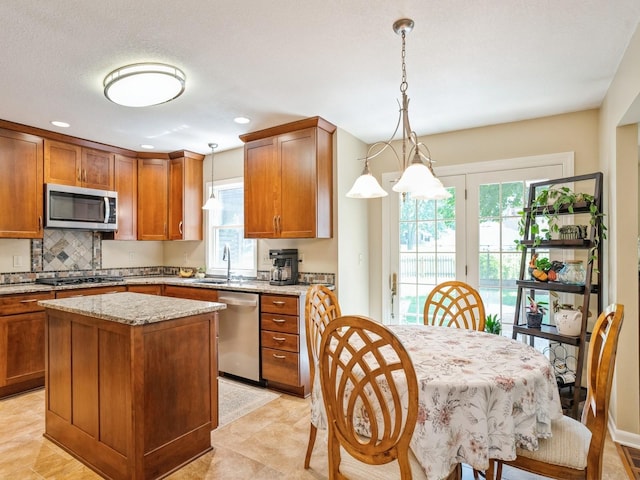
(77,252)
(71,250)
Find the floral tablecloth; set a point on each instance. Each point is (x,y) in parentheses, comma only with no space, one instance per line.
(480,396)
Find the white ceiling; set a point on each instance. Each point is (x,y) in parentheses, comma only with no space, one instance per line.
(469,63)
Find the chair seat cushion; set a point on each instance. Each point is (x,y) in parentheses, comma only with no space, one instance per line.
(356,470)
(568,446)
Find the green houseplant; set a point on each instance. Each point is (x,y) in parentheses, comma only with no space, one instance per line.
(548,204)
(492,324)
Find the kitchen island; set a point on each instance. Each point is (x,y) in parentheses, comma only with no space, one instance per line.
(131,381)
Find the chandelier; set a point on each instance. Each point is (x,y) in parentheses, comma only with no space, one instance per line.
(418,177)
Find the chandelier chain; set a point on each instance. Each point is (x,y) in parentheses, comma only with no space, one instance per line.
(404,85)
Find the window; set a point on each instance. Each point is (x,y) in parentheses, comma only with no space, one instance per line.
(225,226)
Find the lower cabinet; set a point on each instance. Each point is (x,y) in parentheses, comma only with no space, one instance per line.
(285,361)
(148,289)
(21,342)
(193,293)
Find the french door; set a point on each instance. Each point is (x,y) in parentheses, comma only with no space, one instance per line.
(469,237)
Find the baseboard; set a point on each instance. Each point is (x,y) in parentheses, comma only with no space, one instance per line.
(623,437)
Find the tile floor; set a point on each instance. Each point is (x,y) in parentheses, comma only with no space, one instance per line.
(267,444)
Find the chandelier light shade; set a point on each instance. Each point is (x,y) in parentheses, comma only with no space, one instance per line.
(366,185)
(418,178)
(211,201)
(144,84)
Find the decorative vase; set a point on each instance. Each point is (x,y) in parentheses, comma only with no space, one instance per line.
(572,273)
(534,320)
(569,322)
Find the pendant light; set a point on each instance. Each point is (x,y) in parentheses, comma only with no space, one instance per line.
(418,177)
(211,201)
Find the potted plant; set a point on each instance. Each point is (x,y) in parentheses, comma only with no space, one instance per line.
(535,312)
(492,324)
(548,204)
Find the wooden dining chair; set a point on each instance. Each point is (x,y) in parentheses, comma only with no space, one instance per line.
(575,449)
(321,307)
(455,304)
(366,374)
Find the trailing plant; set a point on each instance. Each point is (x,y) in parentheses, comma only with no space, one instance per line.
(492,324)
(548,204)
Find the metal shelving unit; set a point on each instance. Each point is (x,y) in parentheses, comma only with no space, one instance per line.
(527,286)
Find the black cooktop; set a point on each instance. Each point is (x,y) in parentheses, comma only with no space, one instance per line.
(57,281)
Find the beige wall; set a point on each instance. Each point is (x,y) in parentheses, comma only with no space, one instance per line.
(619,115)
(577,132)
(15,247)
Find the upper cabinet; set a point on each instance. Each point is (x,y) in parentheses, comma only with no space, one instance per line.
(185,196)
(126,184)
(288,180)
(153,175)
(20,185)
(68,164)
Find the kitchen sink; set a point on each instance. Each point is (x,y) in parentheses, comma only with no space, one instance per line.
(215,281)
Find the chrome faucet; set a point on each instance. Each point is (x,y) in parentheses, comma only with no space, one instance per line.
(226,255)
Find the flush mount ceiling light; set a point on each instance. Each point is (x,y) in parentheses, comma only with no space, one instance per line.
(418,178)
(211,201)
(144,84)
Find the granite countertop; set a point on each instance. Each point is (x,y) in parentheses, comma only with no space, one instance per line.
(132,308)
(254,286)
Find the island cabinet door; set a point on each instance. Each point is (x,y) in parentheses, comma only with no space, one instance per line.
(133,402)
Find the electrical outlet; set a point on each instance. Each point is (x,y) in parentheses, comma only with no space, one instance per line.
(17,261)
(265,258)
(131,256)
(184,258)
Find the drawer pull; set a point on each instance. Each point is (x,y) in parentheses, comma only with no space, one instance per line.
(278,320)
(279,339)
(279,303)
(279,357)
(31,300)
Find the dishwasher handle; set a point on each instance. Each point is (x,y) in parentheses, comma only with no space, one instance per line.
(238,302)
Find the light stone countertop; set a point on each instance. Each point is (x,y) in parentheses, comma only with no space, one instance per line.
(254,286)
(132,308)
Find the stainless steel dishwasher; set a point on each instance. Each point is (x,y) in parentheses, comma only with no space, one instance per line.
(239,335)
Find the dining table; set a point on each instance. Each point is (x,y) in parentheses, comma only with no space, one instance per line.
(480,396)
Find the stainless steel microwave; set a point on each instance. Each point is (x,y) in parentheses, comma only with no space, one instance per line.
(81,208)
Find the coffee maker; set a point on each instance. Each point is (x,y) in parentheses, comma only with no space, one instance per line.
(284,266)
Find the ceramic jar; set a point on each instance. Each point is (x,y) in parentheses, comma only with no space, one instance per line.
(572,273)
(568,322)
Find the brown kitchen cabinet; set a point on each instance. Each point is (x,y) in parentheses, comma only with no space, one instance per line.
(288,183)
(68,164)
(126,184)
(21,342)
(82,292)
(146,289)
(285,361)
(185,196)
(193,293)
(21,178)
(153,191)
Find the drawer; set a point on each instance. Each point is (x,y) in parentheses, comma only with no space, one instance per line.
(279,323)
(280,341)
(286,305)
(147,289)
(23,303)
(280,366)
(193,293)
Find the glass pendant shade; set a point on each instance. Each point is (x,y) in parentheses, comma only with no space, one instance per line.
(211,203)
(366,186)
(144,84)
(418,181)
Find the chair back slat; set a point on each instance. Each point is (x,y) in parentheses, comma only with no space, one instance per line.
(601,362)
(455,304)
(370,393)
